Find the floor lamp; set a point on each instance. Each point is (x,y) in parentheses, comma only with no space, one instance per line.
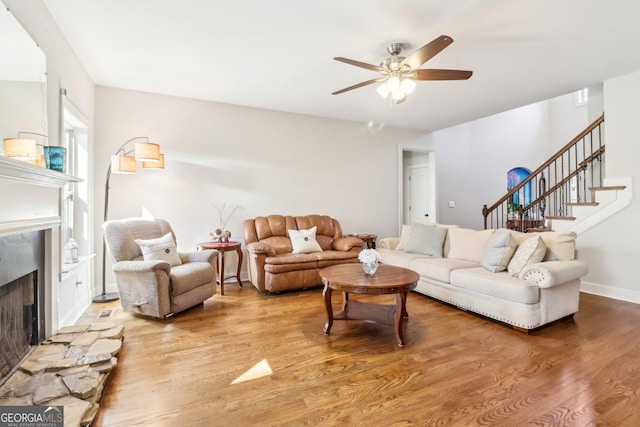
(121,162)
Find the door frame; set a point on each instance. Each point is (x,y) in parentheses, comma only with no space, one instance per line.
(433,197)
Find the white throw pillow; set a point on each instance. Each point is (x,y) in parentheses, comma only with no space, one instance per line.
(530,251)
(160,249)
(304,241)
(427,240)
(499,251)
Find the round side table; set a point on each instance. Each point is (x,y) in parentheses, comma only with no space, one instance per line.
(368,239)
(223,247)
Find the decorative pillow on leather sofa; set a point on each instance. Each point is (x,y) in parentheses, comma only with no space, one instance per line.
(304,241)
(160,249)
(499,251)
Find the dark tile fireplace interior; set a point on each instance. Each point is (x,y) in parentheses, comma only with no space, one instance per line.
(22,308)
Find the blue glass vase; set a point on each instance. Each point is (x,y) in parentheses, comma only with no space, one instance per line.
(54,158)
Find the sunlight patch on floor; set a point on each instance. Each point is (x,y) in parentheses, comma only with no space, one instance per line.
(261,369)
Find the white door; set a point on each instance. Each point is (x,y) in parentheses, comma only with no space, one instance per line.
(419,208)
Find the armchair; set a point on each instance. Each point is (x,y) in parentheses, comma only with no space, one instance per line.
(160,282)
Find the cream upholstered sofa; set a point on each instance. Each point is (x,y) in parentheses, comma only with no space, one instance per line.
(274,265)
(522,279)
(153,278)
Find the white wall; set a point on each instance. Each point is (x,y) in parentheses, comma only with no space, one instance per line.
(265,161)
(610,248)
(21,107)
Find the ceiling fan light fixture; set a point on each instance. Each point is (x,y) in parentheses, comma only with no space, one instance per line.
(407,85)
(393,84)
(383,90)
(398,96)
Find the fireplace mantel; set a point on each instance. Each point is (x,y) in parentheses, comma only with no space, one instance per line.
(21,171)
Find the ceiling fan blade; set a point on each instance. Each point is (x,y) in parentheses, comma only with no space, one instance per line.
(356,86)
(359,64)
(434,74)
(427,52)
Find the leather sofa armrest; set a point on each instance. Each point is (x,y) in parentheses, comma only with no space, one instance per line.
(260,248)
(208,255)
(551,273)
(345,244)
(388,242)
(141,266)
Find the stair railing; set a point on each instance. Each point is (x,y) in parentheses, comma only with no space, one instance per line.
(548,191)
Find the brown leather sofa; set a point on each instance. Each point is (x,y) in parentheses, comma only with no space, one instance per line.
(272,267)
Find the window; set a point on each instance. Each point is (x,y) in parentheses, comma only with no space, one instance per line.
(75,195)
(582,97)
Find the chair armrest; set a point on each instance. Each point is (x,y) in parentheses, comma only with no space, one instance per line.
(345,244)
(388,242)
(141,266)
(208,255)
(260,248)
(550,273)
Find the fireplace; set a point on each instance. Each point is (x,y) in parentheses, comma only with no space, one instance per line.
(22,302)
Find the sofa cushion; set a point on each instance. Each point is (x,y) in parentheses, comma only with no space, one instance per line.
(190,275)
(468,244)
(501,285)
(290,262)
(304,241)
(160,249)
(499,251)
(280,244)
(530,251)
(426,240)
(439,268)
(398,258)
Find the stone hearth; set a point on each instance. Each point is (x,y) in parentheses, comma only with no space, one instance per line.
(71,368)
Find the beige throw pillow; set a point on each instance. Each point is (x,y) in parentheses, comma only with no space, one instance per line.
(405,234)
(499,251)
(160,249)
(304,241)
(468,244)
(530,251)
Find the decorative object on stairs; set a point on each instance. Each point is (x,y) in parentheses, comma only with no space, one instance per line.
(370,259)
(122,162)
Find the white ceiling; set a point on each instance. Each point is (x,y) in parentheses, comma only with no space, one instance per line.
(278,54)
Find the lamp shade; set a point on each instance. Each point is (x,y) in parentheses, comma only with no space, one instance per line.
(20,149)
(154,165)
(147,152)
(123,164)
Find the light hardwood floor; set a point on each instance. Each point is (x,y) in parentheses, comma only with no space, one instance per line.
(457,369)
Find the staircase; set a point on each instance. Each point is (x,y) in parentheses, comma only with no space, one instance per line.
(568,192)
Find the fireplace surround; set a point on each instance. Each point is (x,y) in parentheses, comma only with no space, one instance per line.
(30,246)
(22,308)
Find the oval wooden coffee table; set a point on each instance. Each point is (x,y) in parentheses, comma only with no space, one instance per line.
(349,278)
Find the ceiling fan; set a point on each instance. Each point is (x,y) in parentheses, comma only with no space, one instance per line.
(400,73)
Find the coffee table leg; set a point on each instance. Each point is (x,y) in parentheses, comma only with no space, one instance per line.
(401,313)
(326,293)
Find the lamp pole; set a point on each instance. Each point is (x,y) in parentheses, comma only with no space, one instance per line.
(108,296)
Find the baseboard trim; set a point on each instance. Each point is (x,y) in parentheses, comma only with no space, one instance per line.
(610,292)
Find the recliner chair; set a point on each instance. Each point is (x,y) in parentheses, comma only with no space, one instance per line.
(158,281)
